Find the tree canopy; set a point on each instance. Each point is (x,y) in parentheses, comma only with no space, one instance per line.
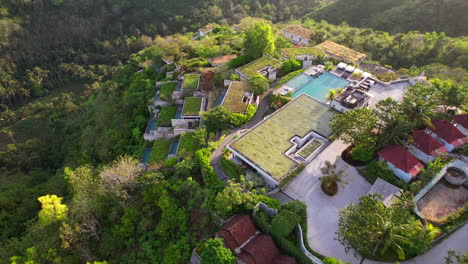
(259,40)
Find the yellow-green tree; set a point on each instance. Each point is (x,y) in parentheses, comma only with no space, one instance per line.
(52,209)
(259,40)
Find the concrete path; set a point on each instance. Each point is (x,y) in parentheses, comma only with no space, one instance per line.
(323,210)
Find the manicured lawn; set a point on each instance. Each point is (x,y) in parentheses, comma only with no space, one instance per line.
(251,69)
(192,106)
(166,90)
(190,81)
(310,148)
(167,113)
(160,151)
(189,143)
(291,53)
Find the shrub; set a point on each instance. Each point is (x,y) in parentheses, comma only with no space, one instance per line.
(240,61)
(288,77)
(284,223)
(290,65)
(362,152)
(329,260)
(259,84)
(262,221)
(234,77)
(215,253)
(202,156)
(232,170)
(378,169)
(291,249)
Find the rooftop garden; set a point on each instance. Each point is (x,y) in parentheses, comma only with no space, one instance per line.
(165,115)
(266,143)
(189,143)
(233,99)
(251,69)
(165,93)
(292,53)
(160,151)
(192,106)
(310,148)
(340,51)
(190,81)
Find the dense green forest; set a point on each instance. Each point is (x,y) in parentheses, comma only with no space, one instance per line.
(75,80)
(400,16)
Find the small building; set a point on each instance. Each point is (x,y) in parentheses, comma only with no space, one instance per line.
(340,52)
(404,165)
(264,66)
(249,245)
(461,122)
(192,108)
(425,147)
(293,135)
(305,54)
(448,134)
(238,97)
(297,34)
(350,98)
(222,59)
(206,29)
(190,82)
(388,191)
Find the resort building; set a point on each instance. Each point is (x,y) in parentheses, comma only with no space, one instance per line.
(349,99)
(190,83)
(386,190)
(404,165)
(448,134)
(297,34)
(206,29)
(238,97)
(461,122)
(341,53)
(216,61)
(192,108)
(305,54)
(264,66)
(249,245)
(293,135)
(425,147)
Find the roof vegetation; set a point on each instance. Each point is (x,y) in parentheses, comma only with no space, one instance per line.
(266,143)
(252,69)
(192,106)
(190,81)
(166,90)
(234,95)
(340,52)
(292,53)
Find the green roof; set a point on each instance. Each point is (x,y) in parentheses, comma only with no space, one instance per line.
(190,81)
(252,69)
(192,106)
(234,95)
(292,53)
(265,144)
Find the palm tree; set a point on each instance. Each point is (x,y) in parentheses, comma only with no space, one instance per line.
(332,177)
(391,238)
(331,95)
(396,131)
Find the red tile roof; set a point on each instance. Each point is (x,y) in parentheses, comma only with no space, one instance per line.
(237,231)
(428,144)
(283,259)
(260,250)
(462,120)
(222,59)
(402,159)
(448,132)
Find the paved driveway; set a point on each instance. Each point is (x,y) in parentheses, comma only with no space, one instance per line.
(380,92)
(323,210)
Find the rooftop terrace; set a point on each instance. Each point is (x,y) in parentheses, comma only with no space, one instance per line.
(265,144)
(192,106)
(191,81)
(253,68)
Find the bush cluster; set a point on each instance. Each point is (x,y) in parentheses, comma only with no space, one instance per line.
(202,157)
(284,223)
(240,61)
(377,169)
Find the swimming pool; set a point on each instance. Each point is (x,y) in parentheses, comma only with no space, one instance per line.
(146,155)
(316,87)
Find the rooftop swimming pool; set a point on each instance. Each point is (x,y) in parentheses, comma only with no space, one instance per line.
(316,87)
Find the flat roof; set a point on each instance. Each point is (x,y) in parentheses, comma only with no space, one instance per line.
(192,106)
(234,95)
(191,81)
(341,52)
(292,53)
(265,144)
(252,69)
(298,30)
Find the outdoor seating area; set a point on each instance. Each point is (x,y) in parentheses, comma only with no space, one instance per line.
(351,98)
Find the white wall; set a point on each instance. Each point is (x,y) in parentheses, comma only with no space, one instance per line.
(406,177)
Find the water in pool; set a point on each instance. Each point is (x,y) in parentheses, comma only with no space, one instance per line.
(316,87)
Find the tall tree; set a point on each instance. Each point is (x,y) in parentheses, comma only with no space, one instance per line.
(52,209)
(216,253)
(355,126)
(419,103)
(259,40)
